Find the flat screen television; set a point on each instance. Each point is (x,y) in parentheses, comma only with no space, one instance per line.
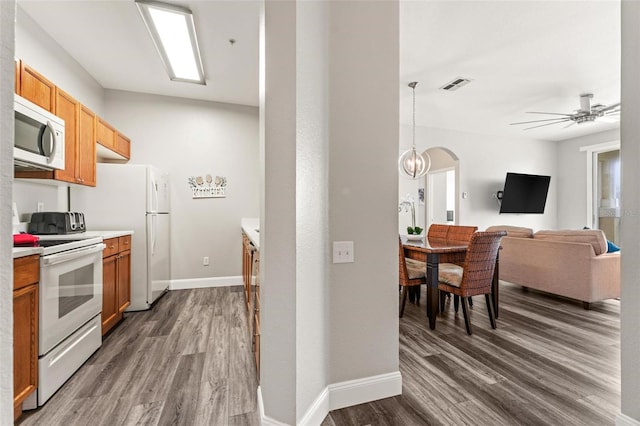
(524,193)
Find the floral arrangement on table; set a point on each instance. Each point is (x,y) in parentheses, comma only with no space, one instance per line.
(407,204)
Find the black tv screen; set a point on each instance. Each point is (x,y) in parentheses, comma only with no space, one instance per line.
(524,193)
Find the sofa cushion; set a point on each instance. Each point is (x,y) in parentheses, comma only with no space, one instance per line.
(513,231)
(595,237)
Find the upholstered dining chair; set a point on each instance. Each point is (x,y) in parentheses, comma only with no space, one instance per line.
(412,273)
(475,276)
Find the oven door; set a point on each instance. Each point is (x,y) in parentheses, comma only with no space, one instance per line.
(70,293)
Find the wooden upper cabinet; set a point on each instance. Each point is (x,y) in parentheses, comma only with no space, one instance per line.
(36,88)
(105,134)
(17,84)
(87,147)
(123,145)
(68,109)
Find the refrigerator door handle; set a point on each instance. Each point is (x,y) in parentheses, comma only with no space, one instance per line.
(154,231)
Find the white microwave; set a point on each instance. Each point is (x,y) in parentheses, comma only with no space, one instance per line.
(39,136)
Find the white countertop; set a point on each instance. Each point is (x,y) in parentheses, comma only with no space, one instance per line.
(251,228)
(88,234)
(27,251)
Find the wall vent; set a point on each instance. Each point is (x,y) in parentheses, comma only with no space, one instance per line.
(455,84)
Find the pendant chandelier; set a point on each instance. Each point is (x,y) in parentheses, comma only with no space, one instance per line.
(411,163)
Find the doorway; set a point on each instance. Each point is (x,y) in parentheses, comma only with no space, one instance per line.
(442,188)
(606,193)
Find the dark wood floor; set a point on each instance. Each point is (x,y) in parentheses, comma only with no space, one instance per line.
(549,362)
(187,361)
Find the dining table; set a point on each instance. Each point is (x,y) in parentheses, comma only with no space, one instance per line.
(432,251)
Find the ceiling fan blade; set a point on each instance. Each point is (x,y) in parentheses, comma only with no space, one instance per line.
(569,125)
(549,113)
(559,119)
(610,107)
(548,124)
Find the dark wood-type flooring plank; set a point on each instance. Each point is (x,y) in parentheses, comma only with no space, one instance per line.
(548,362)
(169,365)
(188,361)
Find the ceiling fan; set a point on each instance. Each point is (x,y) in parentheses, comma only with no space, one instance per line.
(587,113)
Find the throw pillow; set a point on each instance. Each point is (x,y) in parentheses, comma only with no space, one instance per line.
(612,248)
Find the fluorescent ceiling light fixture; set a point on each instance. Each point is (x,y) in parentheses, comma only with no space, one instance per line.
(172,30)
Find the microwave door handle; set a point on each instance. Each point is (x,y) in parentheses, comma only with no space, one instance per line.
(54,142)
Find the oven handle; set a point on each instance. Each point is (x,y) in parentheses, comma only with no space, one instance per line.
(73,254)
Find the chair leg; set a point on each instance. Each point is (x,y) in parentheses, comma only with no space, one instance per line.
(442,298)
(467,321)
(471,301)
(492,319)
(404,300)
(456,302)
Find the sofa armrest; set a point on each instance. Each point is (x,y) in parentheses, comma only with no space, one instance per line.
(605,277)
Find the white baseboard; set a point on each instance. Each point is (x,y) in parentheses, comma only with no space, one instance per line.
(624,420)
(341,395)
(205,282)
(359,391)
(318,410)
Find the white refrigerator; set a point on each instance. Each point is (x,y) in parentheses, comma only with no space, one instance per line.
(133,197)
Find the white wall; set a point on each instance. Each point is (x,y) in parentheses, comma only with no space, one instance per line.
(312,204)
(193,138)
(572,178)
(41,52)
(630,222)
(37,49)
(484,163)
(7,13)
(363,184)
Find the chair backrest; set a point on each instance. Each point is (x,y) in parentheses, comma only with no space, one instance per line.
(461,233)
(480,260)
(402,265)
(438,231)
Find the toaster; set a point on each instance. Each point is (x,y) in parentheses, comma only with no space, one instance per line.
(55,223)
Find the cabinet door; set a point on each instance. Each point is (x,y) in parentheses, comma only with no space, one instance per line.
(110,314)
(68,108)
(105,134)
(124,280)
(123,145)
(25,344)
(87,147)
(36,88)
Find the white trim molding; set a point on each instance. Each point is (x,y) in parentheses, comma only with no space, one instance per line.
(624,420)
(205,282)
(341,395)
(359,391)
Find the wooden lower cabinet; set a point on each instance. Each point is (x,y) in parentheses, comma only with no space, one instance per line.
(116,281)
(25,329)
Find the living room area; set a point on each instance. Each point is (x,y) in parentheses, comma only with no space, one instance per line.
(519,79)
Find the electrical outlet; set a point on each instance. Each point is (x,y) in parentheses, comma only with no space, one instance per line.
(40,207)
(205,261)
(343,252)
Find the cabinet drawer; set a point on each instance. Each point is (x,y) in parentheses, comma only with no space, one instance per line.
(124,243)
(112,247)
(26,270)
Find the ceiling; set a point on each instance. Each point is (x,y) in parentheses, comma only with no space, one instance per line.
(520,55)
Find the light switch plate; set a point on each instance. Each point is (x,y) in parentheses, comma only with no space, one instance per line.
(343,252)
